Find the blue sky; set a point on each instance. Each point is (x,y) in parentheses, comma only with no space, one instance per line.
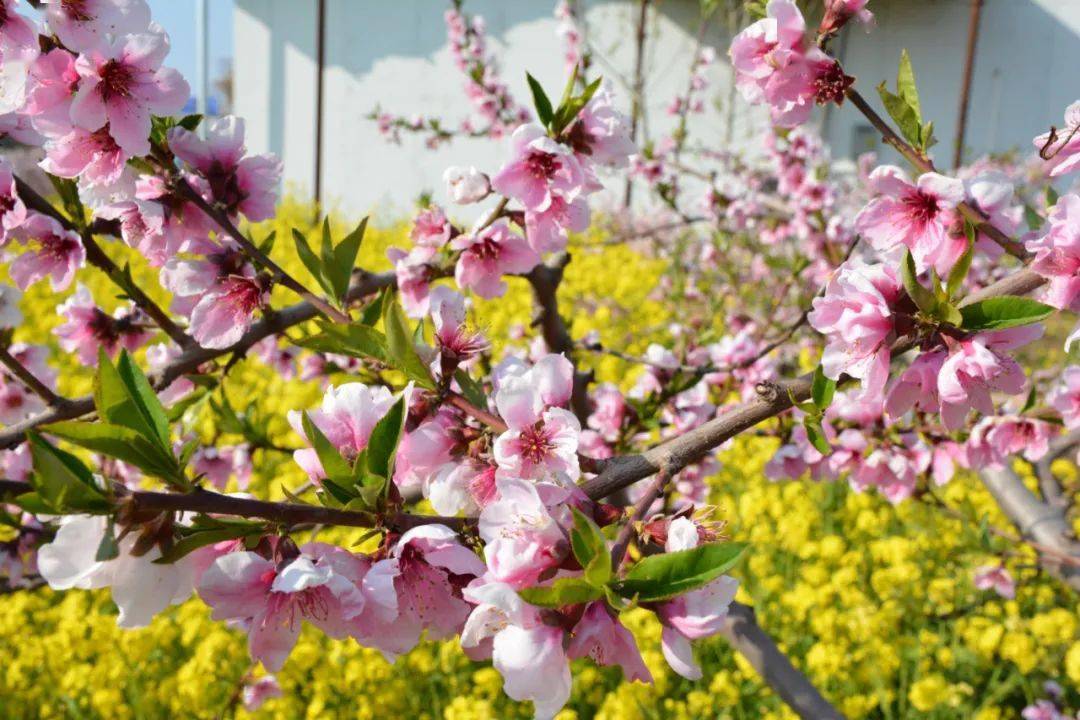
(178,19)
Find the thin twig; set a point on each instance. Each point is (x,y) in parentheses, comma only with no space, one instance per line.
(30,380)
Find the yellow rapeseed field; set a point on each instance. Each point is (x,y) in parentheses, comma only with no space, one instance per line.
(874,602)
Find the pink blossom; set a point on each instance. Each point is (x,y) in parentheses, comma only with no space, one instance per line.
(839,12)
(488,255)
(609,409)
(220,463)
(1065,396)
(12,209)
(546,229)
(522,541)
(947,456)
(601,132)
(320,584)
(599,635)
(123,84)
(1057,254)
(998,579)
(893,470)
(16,402)
(466,185)
(348,415)
(1064,151)
(995,439)
(88,328)
(426,449)
(226,312)
(82,25)
(978,365)
(1042,710)
(141,588)
(16,31)
(247,185)
(917,215)
(916,387)
(855,314)
(429,568)
(527,652)
(414,276)
(992,194)
(694,615)
(259,691)
(457,343)
(540,167)
(92,155)
(53,81)
(53,252)
(542,438)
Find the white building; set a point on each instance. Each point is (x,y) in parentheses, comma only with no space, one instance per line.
(395,55)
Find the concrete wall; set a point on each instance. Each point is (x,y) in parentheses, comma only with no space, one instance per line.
(394,54)
(1025,75)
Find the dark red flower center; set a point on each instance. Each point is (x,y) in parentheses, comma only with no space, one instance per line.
(116,80)
(542,165)
(922,207)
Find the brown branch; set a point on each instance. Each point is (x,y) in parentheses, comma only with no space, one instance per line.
(920,161)
(629,530)
(97,257)
(30,380)
(742,631)
(545,279)
(207,502)
(364,283)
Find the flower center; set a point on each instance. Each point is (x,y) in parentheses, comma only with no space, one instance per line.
(831,84)
(535,443)
(922,207)
(116,80)
(542,165)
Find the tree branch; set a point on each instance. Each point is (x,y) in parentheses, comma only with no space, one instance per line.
(30,380)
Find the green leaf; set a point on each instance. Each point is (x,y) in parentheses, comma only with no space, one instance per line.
(562,592)
(959,271)
(568,91)
(903,115)
(121,443)
(201,538)
(923,298)
(569,110)
(1029,403)
(267,245)
(823,389)
(471,389)
(333,464)
(662,577)
(1005,311)
(385,436)
(61,480)
(108,548)
(345,259)
(950,313)
(374,309)
(905,84)
(816,435)
(144,397)
(190,122)
(402,351)
(354,340)
(540,100)
(590,549)
(310,260)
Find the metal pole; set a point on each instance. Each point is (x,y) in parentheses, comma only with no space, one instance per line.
(637,108)
(965,88)
(202,70)
(320,53)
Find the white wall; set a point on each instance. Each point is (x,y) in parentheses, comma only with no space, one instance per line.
(395,55)
(1025,70)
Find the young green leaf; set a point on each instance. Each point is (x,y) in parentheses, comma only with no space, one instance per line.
(816,435)
(385,436)
(144,397)
(201,538)
(119,442)
(903,115)
(61,480)
(354,340)
(310,260)
(959,271)
(822,389)
(924,299)
(540,100)
(108,548)
(333,464)
(562,592)
(905,84)
(471,389)
(402,351)
(1005,311)
(662,577)
(344,259)
(590,549)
